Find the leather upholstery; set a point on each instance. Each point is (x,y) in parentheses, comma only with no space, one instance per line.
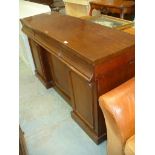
(130,146)
(119,112)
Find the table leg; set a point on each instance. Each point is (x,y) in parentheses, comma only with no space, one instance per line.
(122,14)
(90,12)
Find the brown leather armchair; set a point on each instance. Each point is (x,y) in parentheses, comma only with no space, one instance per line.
(119,113)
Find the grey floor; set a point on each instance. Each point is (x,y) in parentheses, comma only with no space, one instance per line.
(44,117)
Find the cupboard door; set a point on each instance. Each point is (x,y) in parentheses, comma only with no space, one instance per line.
(61,75)
(36,57)
(42,64)
(83,99)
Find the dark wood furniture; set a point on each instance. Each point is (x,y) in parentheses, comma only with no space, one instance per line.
(121,7)
(55,5)
(22,144)
(46,2)
(82,60)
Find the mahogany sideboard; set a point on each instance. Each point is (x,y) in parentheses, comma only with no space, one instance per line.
(81,60)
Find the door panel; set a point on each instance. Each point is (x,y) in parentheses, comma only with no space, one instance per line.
(83,98)
(61,75)
(37,57)
(41,60)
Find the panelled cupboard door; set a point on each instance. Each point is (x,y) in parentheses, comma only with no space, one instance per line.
(36,57)
(41,60)
(83,99)
(61,75)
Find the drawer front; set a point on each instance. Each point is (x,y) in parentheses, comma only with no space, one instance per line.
(29,32)
(65,54)
(77,62)
(49,44)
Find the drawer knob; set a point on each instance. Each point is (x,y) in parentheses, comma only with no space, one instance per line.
(59,54)
(131,62)
(90,84)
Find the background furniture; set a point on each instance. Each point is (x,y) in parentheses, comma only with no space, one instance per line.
(112,22)
(109,21)
(82,60)
(55,5)
(121,7)
(77,8)
(46,2)
(118,107)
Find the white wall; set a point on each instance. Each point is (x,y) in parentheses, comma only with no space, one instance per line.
(27,9)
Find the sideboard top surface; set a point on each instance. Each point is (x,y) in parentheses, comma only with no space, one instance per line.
(88,40)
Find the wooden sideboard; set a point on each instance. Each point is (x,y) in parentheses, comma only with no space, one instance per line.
(81,60)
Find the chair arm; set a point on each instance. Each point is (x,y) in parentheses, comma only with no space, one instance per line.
(118,109)
(130,146)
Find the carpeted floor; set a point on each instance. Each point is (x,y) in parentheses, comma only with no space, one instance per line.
(46,121)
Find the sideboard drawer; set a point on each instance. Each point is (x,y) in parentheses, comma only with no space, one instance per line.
(28,31)
(49,44)
(65,54)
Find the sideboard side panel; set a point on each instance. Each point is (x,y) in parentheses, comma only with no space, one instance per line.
(110,80)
